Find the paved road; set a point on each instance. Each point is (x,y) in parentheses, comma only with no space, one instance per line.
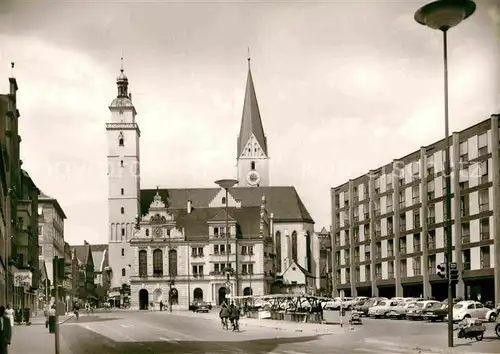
(147,332)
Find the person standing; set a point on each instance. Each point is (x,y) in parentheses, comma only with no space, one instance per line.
(9,312)
(5,331)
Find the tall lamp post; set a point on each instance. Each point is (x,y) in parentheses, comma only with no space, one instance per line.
(226,184)
(443,15)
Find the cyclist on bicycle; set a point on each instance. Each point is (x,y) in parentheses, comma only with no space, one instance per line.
(234,316)
(224,315)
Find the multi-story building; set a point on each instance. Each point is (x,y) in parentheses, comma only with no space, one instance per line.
(51,239)
(198,253)
(323,255)
(18,226)
(101,276)
(389,224)
(291,226)
(84,276)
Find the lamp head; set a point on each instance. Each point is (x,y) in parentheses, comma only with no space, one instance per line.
(226,183)
(444,14)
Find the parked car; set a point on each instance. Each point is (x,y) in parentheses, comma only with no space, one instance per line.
(363,308)
(469,309)
(436,312)
(399,311)
(382,309)
(417,312)
(200,306)
(492,314)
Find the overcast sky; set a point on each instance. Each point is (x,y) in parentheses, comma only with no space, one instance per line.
(343,87)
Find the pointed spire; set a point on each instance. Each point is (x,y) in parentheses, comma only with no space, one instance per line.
(251,122)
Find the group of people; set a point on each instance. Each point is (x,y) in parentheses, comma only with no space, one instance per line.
(6,325)
(231,312)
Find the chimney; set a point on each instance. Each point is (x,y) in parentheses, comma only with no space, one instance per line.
(189,207)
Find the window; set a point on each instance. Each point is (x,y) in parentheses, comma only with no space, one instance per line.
(482,144)
(390,269)
(402,245)
(122,210)
(431,214)
(389,182)
(483,168)
(466,259)
(402,197)
(377,185)
(464,152)
(378,271)
(278,251)
(415,169)
(172,262)
(143,263)
(431,194)
(402,222)
(122,191)
(123,272)
(123,252)
(390,248)
(416,219)
(417,266)
(430,165)
(294,246)
(484,204)
(485,257)
(378,249)
(432,264)
(147,232)
(389,204)
(368,274)
(465,232)
(252,165)
(431,239)
(157,263)
(404,272)
(416,242)
(123,231)
(464,205)
(216,249)
(485,228)
(223,200)
(121,163)
(120,139)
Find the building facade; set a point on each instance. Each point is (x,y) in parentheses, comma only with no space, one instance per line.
(291,226)
(51,240)
(389,224)
(18,226)
(83,274)
(101,275)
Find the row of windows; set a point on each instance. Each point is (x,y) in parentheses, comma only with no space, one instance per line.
(485,262)
(415,170)
(157,263)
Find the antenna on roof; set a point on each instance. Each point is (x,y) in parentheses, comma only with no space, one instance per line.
(248,56)
(12,64)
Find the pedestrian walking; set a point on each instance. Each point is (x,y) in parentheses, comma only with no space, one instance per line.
(5,331)
(161,305)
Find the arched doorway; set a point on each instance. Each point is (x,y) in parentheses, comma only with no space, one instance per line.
(174,296)
(143,299)
(222,294)
(158,296)
(198,294)
(247,291)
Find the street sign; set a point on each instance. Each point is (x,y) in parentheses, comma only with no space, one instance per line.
(453,265)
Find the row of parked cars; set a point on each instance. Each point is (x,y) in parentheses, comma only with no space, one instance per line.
(414,308)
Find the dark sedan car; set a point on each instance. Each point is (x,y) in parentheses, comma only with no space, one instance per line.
(437,312)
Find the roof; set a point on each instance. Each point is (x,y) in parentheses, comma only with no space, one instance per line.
(283,202)
(195,224)
(251,122)
(99,254)
(82,252)
(302,269)
(45,198)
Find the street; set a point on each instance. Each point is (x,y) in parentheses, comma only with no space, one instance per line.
(186,332)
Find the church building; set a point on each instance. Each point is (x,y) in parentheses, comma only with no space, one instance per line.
(172,245)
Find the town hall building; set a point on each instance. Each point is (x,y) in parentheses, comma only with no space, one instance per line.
(172,245)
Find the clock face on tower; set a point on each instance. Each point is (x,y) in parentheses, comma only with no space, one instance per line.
(253,178)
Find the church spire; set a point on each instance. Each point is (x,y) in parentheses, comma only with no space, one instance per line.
(251,122)
(122,83)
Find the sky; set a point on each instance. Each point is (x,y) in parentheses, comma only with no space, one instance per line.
(343,87)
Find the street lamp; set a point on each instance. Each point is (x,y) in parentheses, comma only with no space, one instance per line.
(226,184)
(443,15)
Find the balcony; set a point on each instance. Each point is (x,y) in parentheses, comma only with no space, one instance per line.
(484,207)
(194,255)
(485,263)
(465,238)
(198,275)
(377,212)
(431,220)
(466,265)
(402,227)
(355,218)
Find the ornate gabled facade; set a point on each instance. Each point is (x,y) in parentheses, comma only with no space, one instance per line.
(182,254)
(179,236)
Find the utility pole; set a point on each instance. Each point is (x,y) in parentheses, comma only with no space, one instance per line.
(55,264)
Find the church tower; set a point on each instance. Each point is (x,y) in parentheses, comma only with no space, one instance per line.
(124,181)
(252,157)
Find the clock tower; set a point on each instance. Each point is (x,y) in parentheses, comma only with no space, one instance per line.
(123,181)
(252,155)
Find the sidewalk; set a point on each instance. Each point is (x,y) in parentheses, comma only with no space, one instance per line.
(314,328)
(35,339)
(40,320)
